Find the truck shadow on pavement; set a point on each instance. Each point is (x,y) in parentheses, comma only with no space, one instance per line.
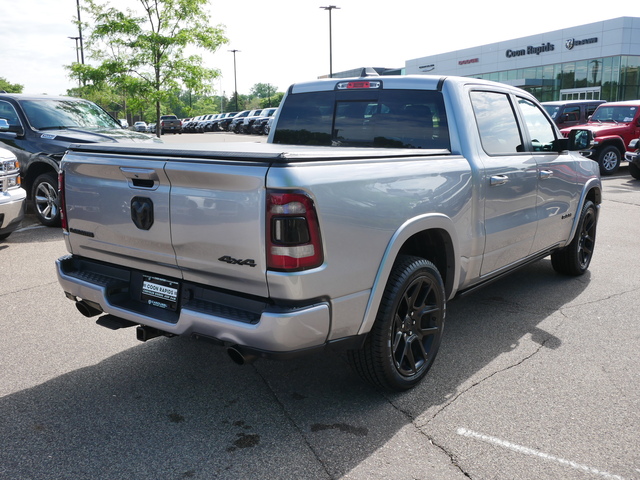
(177,408)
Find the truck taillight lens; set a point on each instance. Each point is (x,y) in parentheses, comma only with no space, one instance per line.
(61,199)
(293,234)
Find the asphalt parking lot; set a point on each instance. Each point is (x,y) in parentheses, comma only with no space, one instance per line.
(537,378)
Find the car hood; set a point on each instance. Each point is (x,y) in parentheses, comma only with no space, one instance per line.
(599,129)
(78,135)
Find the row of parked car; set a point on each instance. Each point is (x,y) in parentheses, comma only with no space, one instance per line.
(254,122)
(144,127)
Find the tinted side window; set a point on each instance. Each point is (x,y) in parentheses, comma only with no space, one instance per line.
(572,114)
(9,114)
(497,123)
(590,109)
(541,131)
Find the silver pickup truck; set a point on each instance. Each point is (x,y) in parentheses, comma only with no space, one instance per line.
(375,201)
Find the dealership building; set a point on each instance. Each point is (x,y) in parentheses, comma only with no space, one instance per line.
(596,61)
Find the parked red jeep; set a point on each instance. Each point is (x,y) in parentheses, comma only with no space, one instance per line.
(614,125)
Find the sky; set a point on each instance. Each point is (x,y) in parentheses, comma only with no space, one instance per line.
(281,42)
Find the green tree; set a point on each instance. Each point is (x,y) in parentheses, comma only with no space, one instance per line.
(272,101)
(143,53)
(10,87)
(267,94)
(263,90)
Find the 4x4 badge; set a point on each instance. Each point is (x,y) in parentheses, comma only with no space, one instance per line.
(238,261)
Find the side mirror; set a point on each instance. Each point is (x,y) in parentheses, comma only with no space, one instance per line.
(10,131)
(580,139)
(634,144)
(4,130)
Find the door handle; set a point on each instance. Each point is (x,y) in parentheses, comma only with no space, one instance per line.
(544,174)
(499,180)
(139,173)
(140,177)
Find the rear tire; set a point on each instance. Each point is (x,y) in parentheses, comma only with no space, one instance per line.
(575,258)
(406,335)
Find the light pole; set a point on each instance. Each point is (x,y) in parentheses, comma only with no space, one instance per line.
(77,55)
(235,78)
(80,33)
(329,8)
(77,50)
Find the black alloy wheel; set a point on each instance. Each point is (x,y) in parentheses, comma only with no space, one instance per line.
(406,335)
(575,258)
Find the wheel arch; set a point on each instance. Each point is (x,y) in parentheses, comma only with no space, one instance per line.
(37,166)
(616,142)
(430,236)
(593,192)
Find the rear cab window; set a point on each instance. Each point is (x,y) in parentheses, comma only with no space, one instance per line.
(365,118)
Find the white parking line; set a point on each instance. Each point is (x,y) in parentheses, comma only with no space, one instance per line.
(536,453)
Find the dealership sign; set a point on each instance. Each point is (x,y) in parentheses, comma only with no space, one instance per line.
(531,50)
(549,47)
(572,42)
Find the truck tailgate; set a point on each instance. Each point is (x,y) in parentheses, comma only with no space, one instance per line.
(105,197)
(200,220)
(218,222)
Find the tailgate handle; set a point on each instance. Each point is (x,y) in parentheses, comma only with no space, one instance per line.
(140,177)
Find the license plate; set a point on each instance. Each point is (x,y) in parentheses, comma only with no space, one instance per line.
(160,292)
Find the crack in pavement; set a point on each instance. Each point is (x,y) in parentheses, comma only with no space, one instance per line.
(295,425)
(32,287)
(420,426)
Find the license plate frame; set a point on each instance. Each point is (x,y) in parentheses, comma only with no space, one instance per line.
(160,292)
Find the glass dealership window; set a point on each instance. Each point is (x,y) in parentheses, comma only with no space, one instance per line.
(616,78)
(581,74)
(567,76)
(630,78)
(594,74)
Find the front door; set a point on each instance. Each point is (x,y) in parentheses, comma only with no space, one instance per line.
(558,190)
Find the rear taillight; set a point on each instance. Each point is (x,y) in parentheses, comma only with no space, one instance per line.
(293,233)
(62,204)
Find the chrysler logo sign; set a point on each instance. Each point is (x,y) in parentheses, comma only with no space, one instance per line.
(572,42)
